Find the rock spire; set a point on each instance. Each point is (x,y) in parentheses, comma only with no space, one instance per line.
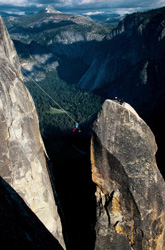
(22,153)
(130,189)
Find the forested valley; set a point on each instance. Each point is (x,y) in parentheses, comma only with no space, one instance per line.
(57,120)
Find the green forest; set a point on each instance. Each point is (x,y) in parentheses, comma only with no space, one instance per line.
(75,105)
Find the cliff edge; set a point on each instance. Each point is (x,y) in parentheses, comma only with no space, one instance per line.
(130,189)
(22,152)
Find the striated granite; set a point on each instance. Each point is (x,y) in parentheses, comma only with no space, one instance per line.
(130,189)
(22,153)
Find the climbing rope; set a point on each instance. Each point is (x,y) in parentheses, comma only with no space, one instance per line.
(50,97)
(87,118)
(66,112)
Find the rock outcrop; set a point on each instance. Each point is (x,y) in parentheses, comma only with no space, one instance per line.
(22,153)
(129,187)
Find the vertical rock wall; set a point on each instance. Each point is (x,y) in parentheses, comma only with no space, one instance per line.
(130,189)
(22,153)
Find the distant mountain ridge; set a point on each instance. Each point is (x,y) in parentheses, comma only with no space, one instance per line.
(49,19)
(50,34)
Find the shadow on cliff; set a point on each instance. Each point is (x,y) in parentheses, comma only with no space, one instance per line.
(19,227)
(74,59)
(70,157)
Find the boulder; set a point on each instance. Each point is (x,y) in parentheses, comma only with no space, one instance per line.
(129,187)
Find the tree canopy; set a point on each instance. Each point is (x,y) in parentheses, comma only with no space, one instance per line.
(80,105)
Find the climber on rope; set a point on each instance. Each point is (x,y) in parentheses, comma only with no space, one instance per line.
(76,127)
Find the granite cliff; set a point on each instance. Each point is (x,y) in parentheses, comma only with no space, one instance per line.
(130,189)
(131,56)
(22,153)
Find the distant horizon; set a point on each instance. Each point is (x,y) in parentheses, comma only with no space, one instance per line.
(83,7)
(89,12)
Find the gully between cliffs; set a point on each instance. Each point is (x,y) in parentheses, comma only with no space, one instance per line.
(70,164)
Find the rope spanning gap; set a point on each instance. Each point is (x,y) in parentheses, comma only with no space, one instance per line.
(49,96)
(87,118)
(66,112)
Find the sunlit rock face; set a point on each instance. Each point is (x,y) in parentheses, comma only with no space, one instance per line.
(129,187)
(22,153)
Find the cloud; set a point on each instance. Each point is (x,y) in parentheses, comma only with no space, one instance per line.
(27,3)
(119,3)
(90,13)
(89,5)
(33,1)
(47,1)
(13,3)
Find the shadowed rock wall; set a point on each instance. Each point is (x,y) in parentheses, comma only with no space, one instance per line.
(19,226)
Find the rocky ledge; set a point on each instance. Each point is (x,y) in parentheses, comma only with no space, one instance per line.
(130,189)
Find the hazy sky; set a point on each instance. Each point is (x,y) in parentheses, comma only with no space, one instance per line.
(79,5)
